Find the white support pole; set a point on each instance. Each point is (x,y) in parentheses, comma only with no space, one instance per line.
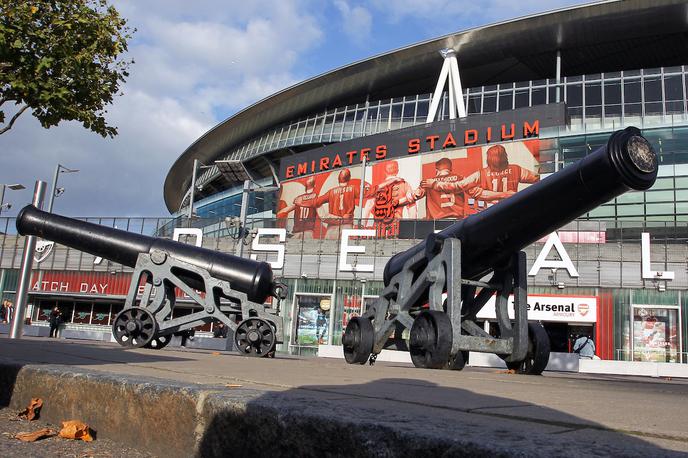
(452,96)
(437,95)
(558,77)
(448,75)
(458,89)
(193,189)
(25,271)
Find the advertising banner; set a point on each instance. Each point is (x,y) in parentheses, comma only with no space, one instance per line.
(449,184)
(655,334)
(569,309)
(313,313)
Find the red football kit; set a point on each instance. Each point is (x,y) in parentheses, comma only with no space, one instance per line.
(341,202)
(502,181)
(304,215)
(441,204)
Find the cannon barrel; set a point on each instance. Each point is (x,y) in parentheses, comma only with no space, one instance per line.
(253,278)
(488,239)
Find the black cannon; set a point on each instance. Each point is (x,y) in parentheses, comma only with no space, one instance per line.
(229,288)
(448,270)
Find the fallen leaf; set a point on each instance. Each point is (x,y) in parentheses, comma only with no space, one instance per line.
(74,429)
(232,385)
(215,353)
(33,409)
(508,371)
(34,436)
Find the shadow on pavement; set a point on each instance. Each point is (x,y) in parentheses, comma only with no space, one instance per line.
(410,417)
(76,353)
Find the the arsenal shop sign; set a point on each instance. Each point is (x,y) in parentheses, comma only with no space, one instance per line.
(472,130)
(569,309)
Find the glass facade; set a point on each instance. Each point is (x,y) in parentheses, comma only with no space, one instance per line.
(651,99)
(643,98)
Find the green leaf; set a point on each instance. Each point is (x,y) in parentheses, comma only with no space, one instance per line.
(66,59)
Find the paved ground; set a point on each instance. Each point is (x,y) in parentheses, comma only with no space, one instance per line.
(480,410)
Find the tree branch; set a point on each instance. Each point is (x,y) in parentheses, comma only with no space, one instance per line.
(14,118)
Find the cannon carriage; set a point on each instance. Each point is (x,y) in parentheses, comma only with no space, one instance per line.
(228,288)
(435,290)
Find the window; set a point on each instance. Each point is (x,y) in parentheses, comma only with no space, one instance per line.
(593,100)
(653,96)
(409,112)
(473,103)
(673,90)
(396,111)
(574,95)
(384,118)
(506,101)
(422,110)
(539,96)
(490,103)
(521,99)
(660,196)
(632,98)
(660,209)
(329,121)
(612,99)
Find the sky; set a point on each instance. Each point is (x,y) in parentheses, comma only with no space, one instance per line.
(196,64)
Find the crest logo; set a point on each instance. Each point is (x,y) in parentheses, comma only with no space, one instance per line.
(583,309)
(43,250)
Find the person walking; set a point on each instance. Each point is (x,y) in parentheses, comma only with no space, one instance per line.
(55,320)
(9,311)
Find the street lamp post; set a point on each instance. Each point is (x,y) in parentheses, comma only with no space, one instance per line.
(54,190)
(13,187)
(197,165)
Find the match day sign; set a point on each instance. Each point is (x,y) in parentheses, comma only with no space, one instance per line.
(570,309)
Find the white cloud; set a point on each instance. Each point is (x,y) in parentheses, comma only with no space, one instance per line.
(357,22)
(194,66)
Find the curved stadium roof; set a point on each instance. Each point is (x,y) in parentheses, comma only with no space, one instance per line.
(593,38)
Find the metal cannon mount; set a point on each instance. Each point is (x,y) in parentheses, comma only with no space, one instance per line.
(442,333)
(146,320)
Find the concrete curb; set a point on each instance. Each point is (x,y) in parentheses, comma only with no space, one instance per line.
(173,419)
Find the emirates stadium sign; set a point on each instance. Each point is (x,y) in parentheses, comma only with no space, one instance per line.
(439,171)
(472,130)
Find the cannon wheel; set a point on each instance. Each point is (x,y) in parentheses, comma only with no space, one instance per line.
(459,361)
(255,337)
(431,340)
(538,352)
(134,327)
(159,342)
(358,340)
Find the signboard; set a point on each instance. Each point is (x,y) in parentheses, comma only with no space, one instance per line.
(569,309)
(656,333)
(450,184)
(97,284)
(473,130)
(313,318)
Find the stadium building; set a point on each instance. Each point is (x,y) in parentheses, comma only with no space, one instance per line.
(329,178)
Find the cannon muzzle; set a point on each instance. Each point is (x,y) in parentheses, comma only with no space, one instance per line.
(253,278)
(488,239)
